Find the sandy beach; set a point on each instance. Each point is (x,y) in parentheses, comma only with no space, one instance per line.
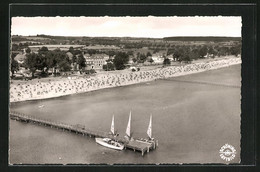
(73,85)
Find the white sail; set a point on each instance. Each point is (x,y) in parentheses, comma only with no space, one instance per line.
(113,126)
(128,128)
(149,130)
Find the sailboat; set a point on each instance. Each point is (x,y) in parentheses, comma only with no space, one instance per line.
(149,133)
(107,142)
(112,129)
(128,128)
(149,130)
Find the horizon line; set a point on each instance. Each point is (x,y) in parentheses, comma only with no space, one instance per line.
(124,36)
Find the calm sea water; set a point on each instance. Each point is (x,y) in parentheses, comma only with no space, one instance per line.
(191,121)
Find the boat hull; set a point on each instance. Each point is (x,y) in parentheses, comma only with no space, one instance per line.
(105,142)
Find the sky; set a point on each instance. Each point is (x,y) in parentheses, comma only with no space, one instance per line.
(150,26)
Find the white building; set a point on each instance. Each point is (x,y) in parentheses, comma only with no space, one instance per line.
(158,58)
(95,61)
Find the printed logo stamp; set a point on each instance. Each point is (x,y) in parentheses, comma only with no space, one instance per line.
(227,152)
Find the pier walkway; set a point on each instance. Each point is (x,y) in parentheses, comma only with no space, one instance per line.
(133,144)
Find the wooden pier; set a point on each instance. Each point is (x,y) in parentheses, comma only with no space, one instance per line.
(133,144)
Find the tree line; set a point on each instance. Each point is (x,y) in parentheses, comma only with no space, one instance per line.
(188,53)
(58,60)
(45,59)
(206,38)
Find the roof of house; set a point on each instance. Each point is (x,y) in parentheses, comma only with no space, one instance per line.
(157,55)
(20,57)
(95,56)
(70,55)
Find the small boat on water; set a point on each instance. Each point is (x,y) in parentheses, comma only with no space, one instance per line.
(109,143)
(41,106)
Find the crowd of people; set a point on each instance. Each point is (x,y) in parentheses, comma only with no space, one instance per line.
(41,90)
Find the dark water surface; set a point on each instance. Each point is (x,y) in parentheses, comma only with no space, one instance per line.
(191,121)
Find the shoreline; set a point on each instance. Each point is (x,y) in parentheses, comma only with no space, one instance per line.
(52,89)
